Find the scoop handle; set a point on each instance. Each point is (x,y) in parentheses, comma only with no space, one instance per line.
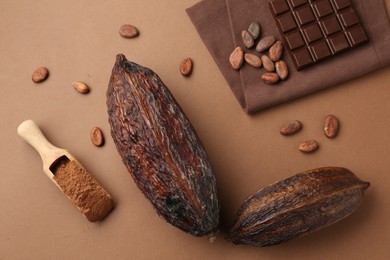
(30,132)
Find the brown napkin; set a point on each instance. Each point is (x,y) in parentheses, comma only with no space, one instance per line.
(220,22)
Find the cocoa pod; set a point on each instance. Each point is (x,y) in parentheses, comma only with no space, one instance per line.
(160,149)
(297,206)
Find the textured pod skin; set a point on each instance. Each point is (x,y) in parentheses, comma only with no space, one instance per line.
(160,149)
(297,206)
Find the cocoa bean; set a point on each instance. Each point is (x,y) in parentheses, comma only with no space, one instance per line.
(128,31)
(331,126)
(80,87)
(161,149)
(270,78)
(265,43)
(236,58)
(281,69)
(247,39)
(297,206)
(97,137)
(308,146)
(291,127)
(186,67)
(253,60)
(267,63)
(40,74)
(254,29)
(276,51)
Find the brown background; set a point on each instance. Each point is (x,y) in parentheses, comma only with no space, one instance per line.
(78,40)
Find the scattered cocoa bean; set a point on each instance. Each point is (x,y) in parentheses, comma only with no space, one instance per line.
(270,78)
(276,51)
(40,74)
(236,58)
(128,31)
(281,69)
(81,87)
(247,39)
(97,137)
(291,127)
(253,60)
(331,126)
(308,146)
(265,43)
(267,63)
(254,29)
(186,67)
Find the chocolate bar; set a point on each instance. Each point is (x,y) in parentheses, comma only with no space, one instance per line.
(316,30)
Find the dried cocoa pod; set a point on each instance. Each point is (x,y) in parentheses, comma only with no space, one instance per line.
(160,149)
(297,206)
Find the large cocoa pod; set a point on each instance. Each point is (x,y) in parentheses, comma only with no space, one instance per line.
(160,148)
(297,206)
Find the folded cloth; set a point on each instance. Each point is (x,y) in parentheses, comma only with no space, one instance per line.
(220,22)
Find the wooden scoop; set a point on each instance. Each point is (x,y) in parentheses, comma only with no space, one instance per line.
(91,199)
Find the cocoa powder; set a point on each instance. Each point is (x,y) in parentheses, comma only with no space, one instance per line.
(82,189)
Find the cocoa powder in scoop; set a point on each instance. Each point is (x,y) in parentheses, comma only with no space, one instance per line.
(82,189)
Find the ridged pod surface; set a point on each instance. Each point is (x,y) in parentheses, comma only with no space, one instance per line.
(160,149)
(297,206)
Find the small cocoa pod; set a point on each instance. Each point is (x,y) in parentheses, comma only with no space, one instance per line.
(281,69)
(247,39)
(253,60)
(267,63)
(291,127)
(297,206)
(276,51)
(265,43)
(270,78)
(97,137)
(161,149)
(236,58)
(308,146)
(331,126)
(80,87)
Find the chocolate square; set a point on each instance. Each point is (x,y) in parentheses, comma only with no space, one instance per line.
(357,35)
(341,4)
(320,50)
(287,22)
(331,25)
(316,30)
(323,8)
(312,33)
(348,18)
(294,40)
(297,3)
(339,43)
(302,58)
(279,6)
(305,15)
